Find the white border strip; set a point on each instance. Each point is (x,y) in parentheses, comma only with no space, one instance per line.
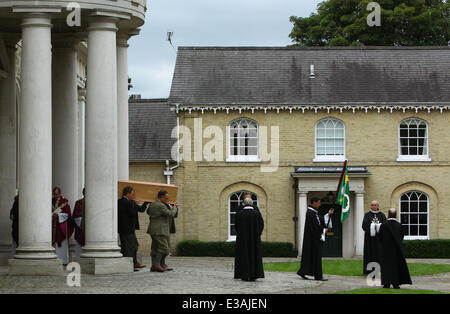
(291,108)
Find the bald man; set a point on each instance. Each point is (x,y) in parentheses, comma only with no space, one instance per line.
(394,269)
(371,226)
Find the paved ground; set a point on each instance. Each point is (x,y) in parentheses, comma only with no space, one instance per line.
(203,275)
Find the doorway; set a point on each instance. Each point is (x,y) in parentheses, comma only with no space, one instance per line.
(333,243)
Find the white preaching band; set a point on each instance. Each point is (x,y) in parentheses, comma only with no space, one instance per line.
(375,225)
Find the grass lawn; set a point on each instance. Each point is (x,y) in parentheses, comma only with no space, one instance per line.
(354,268)
(388,291)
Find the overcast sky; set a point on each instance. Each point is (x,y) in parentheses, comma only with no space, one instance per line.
(205,23)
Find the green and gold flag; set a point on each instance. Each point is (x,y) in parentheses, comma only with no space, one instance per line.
(343,196)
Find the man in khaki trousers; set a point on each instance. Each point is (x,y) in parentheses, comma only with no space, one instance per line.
(161,214)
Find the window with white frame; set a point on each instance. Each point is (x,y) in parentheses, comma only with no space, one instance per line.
(413,140)
(236,200)
(330,140)
(243,140)
(414,215)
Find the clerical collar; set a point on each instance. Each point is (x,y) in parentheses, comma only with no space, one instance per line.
(312,208)
(374,212)
(393,219)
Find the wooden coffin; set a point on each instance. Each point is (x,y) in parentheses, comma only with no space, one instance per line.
(148,191)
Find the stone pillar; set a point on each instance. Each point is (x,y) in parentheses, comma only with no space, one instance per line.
(81,139)
(65,118)
(35,254)
(358,233)
(80,142)
(101,254)
(302,208)
(122,107)
(8,133)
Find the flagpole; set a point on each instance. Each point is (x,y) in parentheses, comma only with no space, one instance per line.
(339,185)
(340,181)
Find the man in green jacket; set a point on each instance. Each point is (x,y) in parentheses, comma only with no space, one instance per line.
(161,215)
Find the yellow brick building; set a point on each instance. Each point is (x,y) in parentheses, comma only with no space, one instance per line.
(385,110)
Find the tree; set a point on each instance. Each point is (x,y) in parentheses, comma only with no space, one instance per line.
(403,23)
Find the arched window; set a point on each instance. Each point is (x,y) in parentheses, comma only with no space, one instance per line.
(330,140)
(243,140)
(414,215)
(234,201)
(413,140)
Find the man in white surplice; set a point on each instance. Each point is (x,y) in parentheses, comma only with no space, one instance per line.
(62,226)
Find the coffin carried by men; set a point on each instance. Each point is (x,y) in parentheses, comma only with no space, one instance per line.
(148,191)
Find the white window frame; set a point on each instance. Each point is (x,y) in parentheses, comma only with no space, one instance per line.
(328,158)
(242,158)
(418,237)
(232,238)
(412,158)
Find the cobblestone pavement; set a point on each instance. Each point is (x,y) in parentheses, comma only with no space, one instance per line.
(202,275)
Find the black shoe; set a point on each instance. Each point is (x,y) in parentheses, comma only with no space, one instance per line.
(396,287)
(303,276)
(386,287)
(321,279)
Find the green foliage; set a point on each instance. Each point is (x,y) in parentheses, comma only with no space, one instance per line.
(403,23)
(439,248)
(227,249)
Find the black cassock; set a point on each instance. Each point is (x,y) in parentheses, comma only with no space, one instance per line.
(248,262)
(311,263)
(394,270)
(14,216)
(372,246)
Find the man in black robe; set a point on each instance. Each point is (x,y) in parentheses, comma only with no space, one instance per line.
(314,235)
(249,224)
(371,226)
(128,221)
(394,269)
(14,216)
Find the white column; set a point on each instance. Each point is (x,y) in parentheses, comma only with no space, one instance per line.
(8,131)
(302,208)
(35,141)
(81,139)
(357,230)
(65,118)
(122,107)
(101,141)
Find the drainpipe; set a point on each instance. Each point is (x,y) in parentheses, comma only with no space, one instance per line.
(295,218)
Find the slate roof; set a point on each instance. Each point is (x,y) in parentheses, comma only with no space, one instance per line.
(272,75)
(150,127)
